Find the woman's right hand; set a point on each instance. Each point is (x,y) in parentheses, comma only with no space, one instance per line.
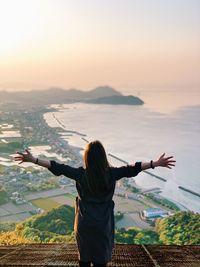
(24,157)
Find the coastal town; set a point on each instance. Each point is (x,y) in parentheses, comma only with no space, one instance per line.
(28,189)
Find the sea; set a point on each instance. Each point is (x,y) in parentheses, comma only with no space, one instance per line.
(168,122)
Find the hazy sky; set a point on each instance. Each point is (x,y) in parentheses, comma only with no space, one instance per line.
(86,43)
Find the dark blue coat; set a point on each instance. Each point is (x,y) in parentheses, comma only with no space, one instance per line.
(94,213)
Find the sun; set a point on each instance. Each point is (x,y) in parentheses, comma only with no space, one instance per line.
(18,20)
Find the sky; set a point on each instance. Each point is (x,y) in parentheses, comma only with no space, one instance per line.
(83,44)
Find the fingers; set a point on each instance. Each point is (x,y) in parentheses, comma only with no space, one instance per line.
(162,155)
(169,157)
(18,158)
(171,161)
(168,167)
(28,152)
(167,162)
(171,164)
(20,153)
(21,157)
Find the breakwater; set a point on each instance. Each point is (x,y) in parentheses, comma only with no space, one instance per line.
(189,191)
(63,126)
(84,139)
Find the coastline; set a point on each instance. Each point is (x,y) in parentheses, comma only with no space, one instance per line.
(63,148)
(84,136)
(43,135)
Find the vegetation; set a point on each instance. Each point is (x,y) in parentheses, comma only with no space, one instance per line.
(117,100)
(45,185)
(118,216)
(7,226)
(2,169)
(181,229)
(56,224)
(11,147)
(3,196)
(12,238)
(164,202)
(70,195)
(131,187)
(136,236)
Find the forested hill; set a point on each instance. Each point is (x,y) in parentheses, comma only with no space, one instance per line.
(117,100)
(57,226)
(51,226)
(102,94)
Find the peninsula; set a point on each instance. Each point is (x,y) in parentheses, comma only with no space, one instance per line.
(99,95)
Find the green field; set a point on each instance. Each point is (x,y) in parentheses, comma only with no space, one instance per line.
(69,195)
(46,204)
(11,147)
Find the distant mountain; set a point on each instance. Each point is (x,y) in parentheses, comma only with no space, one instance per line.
(99,95)
(117,100)
(102,91)
(57,95)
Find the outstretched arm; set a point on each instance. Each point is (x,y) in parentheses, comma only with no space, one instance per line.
(28,157)
(163,161)
(53,166)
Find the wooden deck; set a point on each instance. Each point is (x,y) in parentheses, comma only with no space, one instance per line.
(123,255)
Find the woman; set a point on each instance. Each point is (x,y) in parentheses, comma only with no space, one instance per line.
(94,211)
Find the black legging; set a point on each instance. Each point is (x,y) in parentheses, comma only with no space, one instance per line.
(88,264)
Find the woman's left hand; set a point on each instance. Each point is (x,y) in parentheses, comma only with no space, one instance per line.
(163,161)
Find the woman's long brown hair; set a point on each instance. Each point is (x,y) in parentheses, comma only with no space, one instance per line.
(96,165)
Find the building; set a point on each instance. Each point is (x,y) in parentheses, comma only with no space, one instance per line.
(154,213)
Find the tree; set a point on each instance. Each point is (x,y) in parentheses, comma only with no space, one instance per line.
(12,238)
(183,228)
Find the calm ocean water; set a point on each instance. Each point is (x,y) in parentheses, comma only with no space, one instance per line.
(168,122)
